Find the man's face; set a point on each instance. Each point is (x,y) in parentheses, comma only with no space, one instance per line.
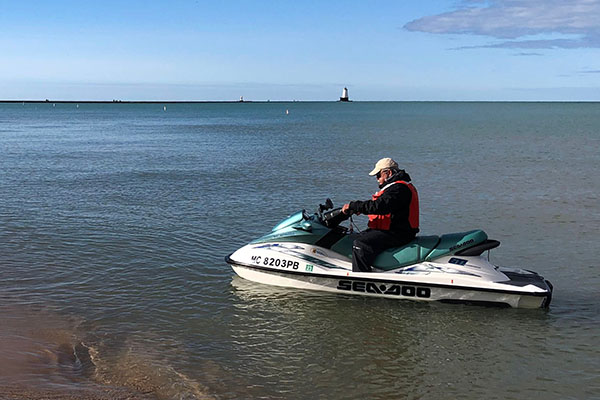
(383,175)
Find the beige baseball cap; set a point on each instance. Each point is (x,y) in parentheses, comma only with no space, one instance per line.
(384,163)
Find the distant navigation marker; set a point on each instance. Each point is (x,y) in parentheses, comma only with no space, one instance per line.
(345,95)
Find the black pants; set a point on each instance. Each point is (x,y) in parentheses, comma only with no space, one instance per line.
(371,242)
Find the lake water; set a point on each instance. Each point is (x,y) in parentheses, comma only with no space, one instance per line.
(115,220)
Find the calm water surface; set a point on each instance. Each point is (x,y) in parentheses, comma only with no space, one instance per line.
(115,220)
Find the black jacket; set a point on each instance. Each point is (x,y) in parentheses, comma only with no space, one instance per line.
(395,200)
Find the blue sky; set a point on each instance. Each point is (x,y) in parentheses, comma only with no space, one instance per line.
(300,50)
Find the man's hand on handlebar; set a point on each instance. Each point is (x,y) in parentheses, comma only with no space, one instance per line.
(346,209)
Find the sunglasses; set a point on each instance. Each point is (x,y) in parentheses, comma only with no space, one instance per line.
(379,173)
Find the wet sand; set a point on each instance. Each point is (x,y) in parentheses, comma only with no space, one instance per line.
(18,392)
(47,355)
(42,357)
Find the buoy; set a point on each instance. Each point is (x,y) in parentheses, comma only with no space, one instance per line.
(165,108)
(287,112)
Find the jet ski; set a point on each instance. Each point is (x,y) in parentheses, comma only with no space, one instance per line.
(314,251)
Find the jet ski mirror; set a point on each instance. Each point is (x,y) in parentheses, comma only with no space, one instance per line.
(324,207)
(327,206)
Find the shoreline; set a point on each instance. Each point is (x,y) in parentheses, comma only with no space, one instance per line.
(48,101)
(138,101)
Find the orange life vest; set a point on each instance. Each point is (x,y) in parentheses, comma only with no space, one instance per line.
(383,222)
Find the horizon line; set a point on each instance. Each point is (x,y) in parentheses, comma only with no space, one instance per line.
(47,101)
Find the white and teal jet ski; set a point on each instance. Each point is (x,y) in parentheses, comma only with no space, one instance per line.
(315,252)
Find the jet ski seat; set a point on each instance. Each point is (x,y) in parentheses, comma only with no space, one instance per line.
(426,248)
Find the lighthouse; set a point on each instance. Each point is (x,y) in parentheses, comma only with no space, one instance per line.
(344,95)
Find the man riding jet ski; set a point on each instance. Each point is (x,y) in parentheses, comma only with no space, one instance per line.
(315,252)
(393,215)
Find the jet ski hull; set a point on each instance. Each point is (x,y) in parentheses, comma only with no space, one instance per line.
(469,279)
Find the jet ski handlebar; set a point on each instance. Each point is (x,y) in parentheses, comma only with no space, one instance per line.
(332,218)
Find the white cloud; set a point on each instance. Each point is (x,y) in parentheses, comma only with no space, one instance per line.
(578,21)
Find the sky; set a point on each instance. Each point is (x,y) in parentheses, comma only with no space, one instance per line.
(397,50)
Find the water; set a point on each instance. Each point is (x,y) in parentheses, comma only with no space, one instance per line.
(115,220)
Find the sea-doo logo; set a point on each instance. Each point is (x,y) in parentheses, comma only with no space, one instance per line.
(394,290)
(463,244)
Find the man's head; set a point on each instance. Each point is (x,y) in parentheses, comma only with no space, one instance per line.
(384,169)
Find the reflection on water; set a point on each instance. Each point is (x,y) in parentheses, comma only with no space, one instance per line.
(393,347)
